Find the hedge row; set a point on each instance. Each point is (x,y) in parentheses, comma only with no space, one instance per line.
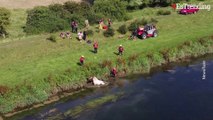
(57,17)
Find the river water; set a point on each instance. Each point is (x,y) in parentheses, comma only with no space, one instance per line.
(178,92)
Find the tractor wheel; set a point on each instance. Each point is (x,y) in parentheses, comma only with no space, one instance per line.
(155,34)
(143,36)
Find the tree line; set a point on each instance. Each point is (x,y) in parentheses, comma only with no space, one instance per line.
(57,17)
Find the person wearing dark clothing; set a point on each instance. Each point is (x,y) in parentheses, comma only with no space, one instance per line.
(95,45)
(82,60)
(113,72)
(109,22)
(134,34)
(84,35)
(72,26)
(76,27)
(120,50)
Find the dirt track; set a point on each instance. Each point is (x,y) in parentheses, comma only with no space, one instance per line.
(29,3)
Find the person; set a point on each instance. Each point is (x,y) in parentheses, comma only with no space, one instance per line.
(101,24)
(84,35)
(113,72)
(95,45)
(86,23)
(72,26)
(101,21)
(68,35)
(80,36)
(82,60)
(133,35)
(62,35)
(76,27)
(120,50)
(109,22)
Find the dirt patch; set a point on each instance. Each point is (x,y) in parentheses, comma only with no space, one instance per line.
(29,3)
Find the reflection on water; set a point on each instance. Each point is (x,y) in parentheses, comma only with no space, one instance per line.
(176,94)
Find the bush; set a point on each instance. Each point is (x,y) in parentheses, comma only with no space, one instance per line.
(52,38)
(89,32)
(135,24)
(153,20)
(94,18)
(163,12)
(109,33)
(41,19)
(4,21)
(114,9)
(82,8)
(122,29)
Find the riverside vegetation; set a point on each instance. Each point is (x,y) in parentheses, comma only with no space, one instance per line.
(32,68)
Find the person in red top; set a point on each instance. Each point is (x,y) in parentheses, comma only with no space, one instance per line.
(82,60)
(120,50)
(95,45)
(113,72)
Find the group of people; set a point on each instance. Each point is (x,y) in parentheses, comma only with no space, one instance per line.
(83,36)
(64,35)
(103,26)
(113,72)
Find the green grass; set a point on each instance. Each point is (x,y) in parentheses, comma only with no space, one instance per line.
(34,57)
(28,60)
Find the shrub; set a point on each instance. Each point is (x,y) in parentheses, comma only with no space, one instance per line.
(3,89)
(94,17)
(135,24)
(4,21)
(133,58)
(52,38)
(163,12)
(41,19)
(165,54)
(109,33)
(106,63)
(153,20)
(79,18)
(89,32)
(122,29)
(121,61)
(114,9)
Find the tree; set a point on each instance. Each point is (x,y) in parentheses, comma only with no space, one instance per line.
(4,21)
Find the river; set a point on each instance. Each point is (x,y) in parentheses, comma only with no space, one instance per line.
(178,92)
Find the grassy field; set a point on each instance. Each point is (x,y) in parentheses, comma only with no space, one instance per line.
(28,60)
(29,3)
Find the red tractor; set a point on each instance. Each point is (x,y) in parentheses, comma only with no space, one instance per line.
(149,30)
